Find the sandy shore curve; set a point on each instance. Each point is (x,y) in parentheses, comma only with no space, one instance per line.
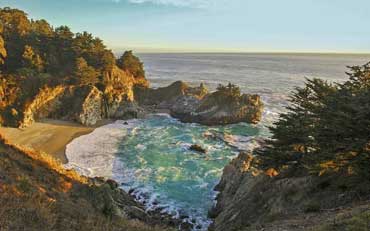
(50,136)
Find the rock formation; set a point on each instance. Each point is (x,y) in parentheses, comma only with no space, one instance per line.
(209,111)
(78,103)
(196,105)
(198,148)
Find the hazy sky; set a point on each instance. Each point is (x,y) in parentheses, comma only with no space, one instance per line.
(213,25)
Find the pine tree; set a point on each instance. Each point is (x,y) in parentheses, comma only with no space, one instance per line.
(132,64)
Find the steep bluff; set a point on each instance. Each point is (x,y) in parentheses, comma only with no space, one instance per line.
(249,199)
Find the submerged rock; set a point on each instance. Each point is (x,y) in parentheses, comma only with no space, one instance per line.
(198,148)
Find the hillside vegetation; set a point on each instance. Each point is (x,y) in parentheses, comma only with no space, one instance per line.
(34,55)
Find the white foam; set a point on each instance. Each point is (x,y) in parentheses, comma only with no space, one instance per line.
(91,154)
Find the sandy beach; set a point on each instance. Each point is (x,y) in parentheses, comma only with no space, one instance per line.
(50,136)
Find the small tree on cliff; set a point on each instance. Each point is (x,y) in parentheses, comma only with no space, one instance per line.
(130,63)
(84,74)
(228,94)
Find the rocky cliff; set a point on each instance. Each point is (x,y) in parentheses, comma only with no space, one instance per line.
(251,199)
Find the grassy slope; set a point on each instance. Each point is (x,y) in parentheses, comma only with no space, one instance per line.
(36,193)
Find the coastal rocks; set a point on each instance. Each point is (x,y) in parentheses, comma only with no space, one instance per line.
(196,105)
(131,98)
(128,110)
(113,201)
(198,148)
(216,110)
(165,97)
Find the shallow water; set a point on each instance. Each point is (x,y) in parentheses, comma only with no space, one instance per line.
(151,157)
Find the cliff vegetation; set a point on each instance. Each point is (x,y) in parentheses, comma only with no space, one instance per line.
(36,58)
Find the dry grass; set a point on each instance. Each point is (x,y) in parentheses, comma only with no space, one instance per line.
(37,193)
(47,159)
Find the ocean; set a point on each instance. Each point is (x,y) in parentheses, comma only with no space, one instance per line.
(151,158)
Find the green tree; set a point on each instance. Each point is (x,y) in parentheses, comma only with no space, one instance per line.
(31,59)
(229,94)
(16,27)
(131,64)
(85,74)
(327,127)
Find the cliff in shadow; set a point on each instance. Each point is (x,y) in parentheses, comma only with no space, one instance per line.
(251,199)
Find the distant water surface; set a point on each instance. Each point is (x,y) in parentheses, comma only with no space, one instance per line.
(272,76)
(151,157)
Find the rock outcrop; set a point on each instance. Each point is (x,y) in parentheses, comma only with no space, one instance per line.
(197,105)
(210,111)
(166,97)
(78,103)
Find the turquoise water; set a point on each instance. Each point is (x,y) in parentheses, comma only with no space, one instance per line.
(169,176)
(151,159)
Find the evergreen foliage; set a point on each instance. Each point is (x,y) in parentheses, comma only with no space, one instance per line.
(33,54)
(131,64)
(327,127)
(36,45)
